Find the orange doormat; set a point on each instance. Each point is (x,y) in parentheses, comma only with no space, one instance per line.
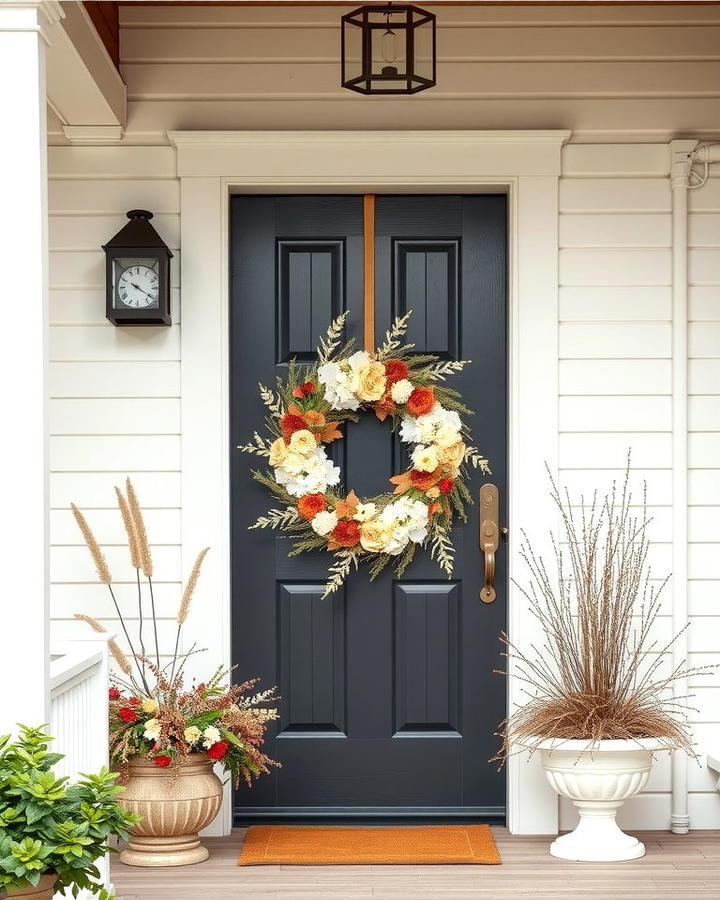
(305,845)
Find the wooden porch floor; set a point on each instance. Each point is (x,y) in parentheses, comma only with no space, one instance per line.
(673,867)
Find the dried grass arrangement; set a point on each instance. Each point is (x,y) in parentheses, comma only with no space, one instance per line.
(153,712)
(599,673)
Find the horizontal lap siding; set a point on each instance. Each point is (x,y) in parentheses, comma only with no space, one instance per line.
(114,406)
(615,311)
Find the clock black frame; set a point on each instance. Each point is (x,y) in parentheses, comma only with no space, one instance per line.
(138,239)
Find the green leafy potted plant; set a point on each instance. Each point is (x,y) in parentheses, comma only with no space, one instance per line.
(52,832)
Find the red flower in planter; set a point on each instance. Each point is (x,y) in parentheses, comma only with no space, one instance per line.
(128,715)
(218,750)
(162,761)
(134,701)
(114,693)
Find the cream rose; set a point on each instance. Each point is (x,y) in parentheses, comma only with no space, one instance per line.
(453,456)
(433,493)
(278,452)
(371,381)
(364,511)
(294,464)
(425,459)
(303,442)
(374,536)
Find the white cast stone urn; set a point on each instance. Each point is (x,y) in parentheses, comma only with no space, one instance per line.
(597,776)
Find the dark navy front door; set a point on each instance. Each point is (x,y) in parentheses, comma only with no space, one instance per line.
(389,700)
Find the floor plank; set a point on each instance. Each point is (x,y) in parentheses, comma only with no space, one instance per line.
(674,866)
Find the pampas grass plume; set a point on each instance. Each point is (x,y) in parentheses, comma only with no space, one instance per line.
(190,587)
(100,562)
(139,529)
(127,518)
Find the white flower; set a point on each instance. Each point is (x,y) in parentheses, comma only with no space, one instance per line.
(293,464)
(364,511)
(211,735)
(401,390)
(152,730)
(409,430)
(397,541)
(446,435)
(324,522)
(336,380)
(408,520)
(425,459)
(192,734)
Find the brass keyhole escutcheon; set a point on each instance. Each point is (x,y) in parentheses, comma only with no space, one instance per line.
(489,537)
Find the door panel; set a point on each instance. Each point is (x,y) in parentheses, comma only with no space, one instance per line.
(389,702)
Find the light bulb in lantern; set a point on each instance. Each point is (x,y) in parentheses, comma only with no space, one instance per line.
(389,46)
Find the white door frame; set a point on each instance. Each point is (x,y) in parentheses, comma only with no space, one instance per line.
(525,165)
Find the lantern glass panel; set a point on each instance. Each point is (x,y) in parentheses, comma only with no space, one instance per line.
(424,47)
(352,47)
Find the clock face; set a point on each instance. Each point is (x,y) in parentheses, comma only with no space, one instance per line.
(137,285)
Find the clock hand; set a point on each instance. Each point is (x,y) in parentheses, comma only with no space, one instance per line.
(138,288)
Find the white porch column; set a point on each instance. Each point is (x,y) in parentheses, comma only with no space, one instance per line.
(24,658)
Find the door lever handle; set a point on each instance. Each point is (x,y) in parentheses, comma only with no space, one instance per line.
(489,537)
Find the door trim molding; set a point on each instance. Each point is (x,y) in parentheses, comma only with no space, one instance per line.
(526,166)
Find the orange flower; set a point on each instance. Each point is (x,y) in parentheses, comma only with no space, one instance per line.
(421,401)
(290,423)
(433,509)
(311,504)
(423,481)
(346,533)
(325,432)
(395,370)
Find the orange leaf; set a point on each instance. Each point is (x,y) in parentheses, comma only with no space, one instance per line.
(330,433)
(402,481)
(346,508)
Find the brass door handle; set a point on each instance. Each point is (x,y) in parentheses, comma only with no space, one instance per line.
(489,537)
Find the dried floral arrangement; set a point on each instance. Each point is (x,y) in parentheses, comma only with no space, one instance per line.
(599,673)
(152,712)
(305,413)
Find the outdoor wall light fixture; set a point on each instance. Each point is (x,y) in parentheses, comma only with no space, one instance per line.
(388,49)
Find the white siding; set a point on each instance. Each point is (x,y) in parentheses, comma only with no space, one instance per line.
(615,392)
(114,392)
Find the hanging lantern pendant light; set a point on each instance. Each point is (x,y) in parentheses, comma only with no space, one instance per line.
(388,49)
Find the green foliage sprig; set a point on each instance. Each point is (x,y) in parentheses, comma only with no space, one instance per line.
(48,825)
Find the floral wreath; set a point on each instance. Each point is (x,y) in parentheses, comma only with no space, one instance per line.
(305,414)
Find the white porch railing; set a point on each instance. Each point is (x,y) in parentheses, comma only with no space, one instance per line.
(79,712)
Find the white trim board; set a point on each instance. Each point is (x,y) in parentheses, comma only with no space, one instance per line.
(523,164)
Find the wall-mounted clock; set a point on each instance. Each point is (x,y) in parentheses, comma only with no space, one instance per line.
(137,274)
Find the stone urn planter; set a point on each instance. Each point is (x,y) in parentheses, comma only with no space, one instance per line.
(597,776)
(175,804)
(43,890)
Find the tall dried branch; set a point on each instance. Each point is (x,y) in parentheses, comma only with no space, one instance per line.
(596,675)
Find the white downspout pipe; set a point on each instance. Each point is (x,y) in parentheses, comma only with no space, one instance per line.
(681,160)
